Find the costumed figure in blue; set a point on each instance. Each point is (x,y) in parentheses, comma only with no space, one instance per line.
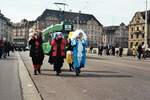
(78,41)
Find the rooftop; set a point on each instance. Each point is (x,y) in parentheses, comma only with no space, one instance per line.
(69,16)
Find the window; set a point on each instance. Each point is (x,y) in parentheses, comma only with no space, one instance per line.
(131,36)
(132,29)
(16,33)
(142,35)
(137,35)
(143,28)
(136,44)
(137,28)
(131,44)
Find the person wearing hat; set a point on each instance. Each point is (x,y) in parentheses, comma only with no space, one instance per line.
(36,52)
(58,52)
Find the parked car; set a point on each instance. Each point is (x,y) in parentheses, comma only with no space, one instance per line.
(147,53)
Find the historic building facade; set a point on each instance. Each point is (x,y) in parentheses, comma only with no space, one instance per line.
(116,36)
(5,28)
(86,22)
(137,30)
(21,32)
(109,35)
(121,36)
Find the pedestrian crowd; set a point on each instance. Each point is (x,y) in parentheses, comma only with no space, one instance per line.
(139,51)
(5,48)
(72,48)
(110,50)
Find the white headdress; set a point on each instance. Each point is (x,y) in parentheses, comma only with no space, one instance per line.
(76,34)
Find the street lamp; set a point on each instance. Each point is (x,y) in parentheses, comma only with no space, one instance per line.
(145,39)
(78,20)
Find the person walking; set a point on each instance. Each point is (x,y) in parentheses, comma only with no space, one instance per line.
(58,52)
(69,55)
(99,50)
(140,51)
(113,50)
(120,51)
(8,48)
(79,52)
(134,51)
(36,52)
(143,52)
(91,49)
(1,48)
(5,49)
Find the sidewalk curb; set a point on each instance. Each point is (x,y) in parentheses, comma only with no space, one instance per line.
(29,89)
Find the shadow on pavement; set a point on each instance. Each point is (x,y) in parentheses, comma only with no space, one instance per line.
(98,58)
(92,71)
(87,74)
(83,75)
(9,58)
(95,71)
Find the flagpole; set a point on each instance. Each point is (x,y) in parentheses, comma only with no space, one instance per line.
(145,41)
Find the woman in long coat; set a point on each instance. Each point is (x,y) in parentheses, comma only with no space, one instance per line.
(36,52)
(79,52)
(58,52)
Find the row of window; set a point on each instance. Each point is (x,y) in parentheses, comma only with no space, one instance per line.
(137,36)
(18,40)
(137,28)
(95,38)
(19,34)
(135,44)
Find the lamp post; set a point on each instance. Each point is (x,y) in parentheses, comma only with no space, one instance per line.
(78,20)
(145,39)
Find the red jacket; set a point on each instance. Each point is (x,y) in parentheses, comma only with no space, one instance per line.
(54,47)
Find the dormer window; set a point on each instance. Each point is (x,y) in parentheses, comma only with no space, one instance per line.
(137,19)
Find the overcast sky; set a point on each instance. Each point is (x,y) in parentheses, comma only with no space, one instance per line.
(108,12)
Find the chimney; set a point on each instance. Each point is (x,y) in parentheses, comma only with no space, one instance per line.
(60,9)
(70,10)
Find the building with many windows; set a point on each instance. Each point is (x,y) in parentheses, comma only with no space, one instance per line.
(5,28)
(137,29)
(121,36)
(86,22)
(116,36)
(21,32)
(109,35)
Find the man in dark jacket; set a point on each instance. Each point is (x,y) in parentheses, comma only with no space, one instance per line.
(1,48)
(120,51)
(140,51)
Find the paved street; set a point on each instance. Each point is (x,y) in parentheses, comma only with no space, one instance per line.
(10,88)
(104,78)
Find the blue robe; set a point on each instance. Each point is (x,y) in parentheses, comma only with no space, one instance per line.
(79,60)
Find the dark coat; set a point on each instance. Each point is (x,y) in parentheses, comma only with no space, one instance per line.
(37,54)
(140,50)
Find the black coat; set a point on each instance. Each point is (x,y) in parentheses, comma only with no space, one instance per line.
(37,54)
